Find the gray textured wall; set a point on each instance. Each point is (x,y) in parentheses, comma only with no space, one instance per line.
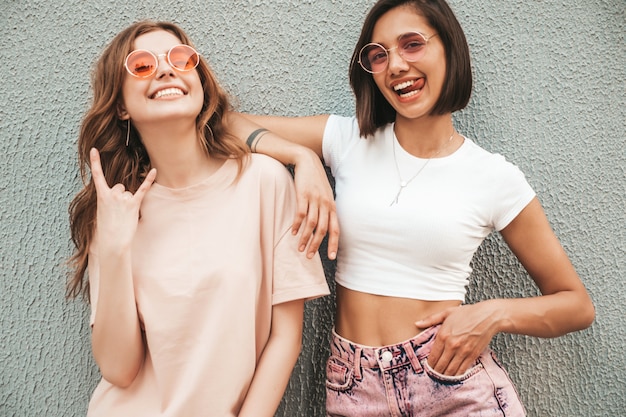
(550,95)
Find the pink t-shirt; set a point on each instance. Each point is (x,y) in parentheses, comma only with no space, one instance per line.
(209,261)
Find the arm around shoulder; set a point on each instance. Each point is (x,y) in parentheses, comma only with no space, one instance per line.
(316,211)
(307,131)
(289,133)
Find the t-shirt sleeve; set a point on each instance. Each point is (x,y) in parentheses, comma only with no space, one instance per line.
(340,134)
(294,276)
(513,194)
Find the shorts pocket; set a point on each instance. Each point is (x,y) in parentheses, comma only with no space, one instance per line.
(448,379)
(339,374)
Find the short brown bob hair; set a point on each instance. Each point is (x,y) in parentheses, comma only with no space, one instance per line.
(372,109)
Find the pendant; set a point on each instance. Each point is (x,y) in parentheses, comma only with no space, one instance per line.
(395,200)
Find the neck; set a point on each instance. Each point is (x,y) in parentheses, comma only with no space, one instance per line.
(175,151)
(426,136)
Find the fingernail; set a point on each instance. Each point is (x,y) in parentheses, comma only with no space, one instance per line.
(301,248)
(332,255)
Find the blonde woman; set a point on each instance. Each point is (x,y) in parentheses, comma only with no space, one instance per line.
(195,281)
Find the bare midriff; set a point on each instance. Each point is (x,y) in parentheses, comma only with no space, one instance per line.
(376,320)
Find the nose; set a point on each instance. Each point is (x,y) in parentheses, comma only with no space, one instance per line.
(396,63)
(163,67)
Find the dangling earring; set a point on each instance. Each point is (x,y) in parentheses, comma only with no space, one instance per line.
(127,132)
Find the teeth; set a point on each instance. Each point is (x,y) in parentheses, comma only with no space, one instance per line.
(403,85)
(410,93)
(169,92)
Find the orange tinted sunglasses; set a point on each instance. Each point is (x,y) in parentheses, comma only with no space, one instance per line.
(141,63)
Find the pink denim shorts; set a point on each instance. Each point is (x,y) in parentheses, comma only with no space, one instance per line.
(397,381)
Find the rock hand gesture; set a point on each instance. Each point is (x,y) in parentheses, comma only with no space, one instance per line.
(118,209)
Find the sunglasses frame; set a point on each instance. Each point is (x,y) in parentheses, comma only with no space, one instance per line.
(400,53)
(156,60)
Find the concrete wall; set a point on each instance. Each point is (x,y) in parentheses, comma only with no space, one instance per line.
(550,95)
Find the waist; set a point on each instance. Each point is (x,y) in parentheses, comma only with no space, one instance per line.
(415,349)
(375,320)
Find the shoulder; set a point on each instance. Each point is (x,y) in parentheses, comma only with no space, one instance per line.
(489,160)
(493,173)
(341,127)
(271,182)
(342,136)
(488,171)
(337,120)
(265,165)
(267,170)
(348,127)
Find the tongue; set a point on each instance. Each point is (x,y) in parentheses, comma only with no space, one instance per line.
(416,86)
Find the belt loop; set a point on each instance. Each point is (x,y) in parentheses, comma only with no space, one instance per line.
(410,353)
(357,362)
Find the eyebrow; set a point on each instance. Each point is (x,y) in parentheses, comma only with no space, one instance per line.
(404,34)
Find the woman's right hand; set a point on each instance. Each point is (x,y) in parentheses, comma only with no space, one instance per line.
(316,206)
(117,343)
(117,213)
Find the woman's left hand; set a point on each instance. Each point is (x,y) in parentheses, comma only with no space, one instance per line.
(465,332)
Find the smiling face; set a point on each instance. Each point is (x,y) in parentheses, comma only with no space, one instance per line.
(411,88)
(167,95)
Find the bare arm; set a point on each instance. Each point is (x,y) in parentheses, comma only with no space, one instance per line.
(117,342)
(306,131)
(277,361)
(316,206)
(563,307)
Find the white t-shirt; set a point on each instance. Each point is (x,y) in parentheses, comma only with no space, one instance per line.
(208,261)
(422,246)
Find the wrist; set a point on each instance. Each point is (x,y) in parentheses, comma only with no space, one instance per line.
(115,250)
(302,155)
(501,316)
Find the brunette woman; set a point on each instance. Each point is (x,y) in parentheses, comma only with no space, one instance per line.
(415,199)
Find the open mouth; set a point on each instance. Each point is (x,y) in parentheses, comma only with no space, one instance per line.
(168,92)
(409,88)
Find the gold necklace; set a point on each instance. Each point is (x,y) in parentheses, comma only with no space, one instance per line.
(404,183)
